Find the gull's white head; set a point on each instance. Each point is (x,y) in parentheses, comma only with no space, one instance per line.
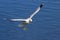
(28,20)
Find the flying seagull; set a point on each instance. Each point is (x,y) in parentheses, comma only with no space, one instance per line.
(29,19)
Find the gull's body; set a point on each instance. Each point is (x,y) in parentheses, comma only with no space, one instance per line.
(28,20)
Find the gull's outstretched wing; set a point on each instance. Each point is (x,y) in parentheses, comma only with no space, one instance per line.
(17,19)
(37,10)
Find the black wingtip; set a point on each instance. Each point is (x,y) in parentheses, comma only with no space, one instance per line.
(42,4)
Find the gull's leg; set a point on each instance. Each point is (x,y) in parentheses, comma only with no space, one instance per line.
(23,25)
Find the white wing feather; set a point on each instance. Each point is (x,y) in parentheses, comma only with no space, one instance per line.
(17,19)
(37,10)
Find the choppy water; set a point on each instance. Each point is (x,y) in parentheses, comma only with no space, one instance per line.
(45,25)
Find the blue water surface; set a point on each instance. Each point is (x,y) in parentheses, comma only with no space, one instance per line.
(45,25)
